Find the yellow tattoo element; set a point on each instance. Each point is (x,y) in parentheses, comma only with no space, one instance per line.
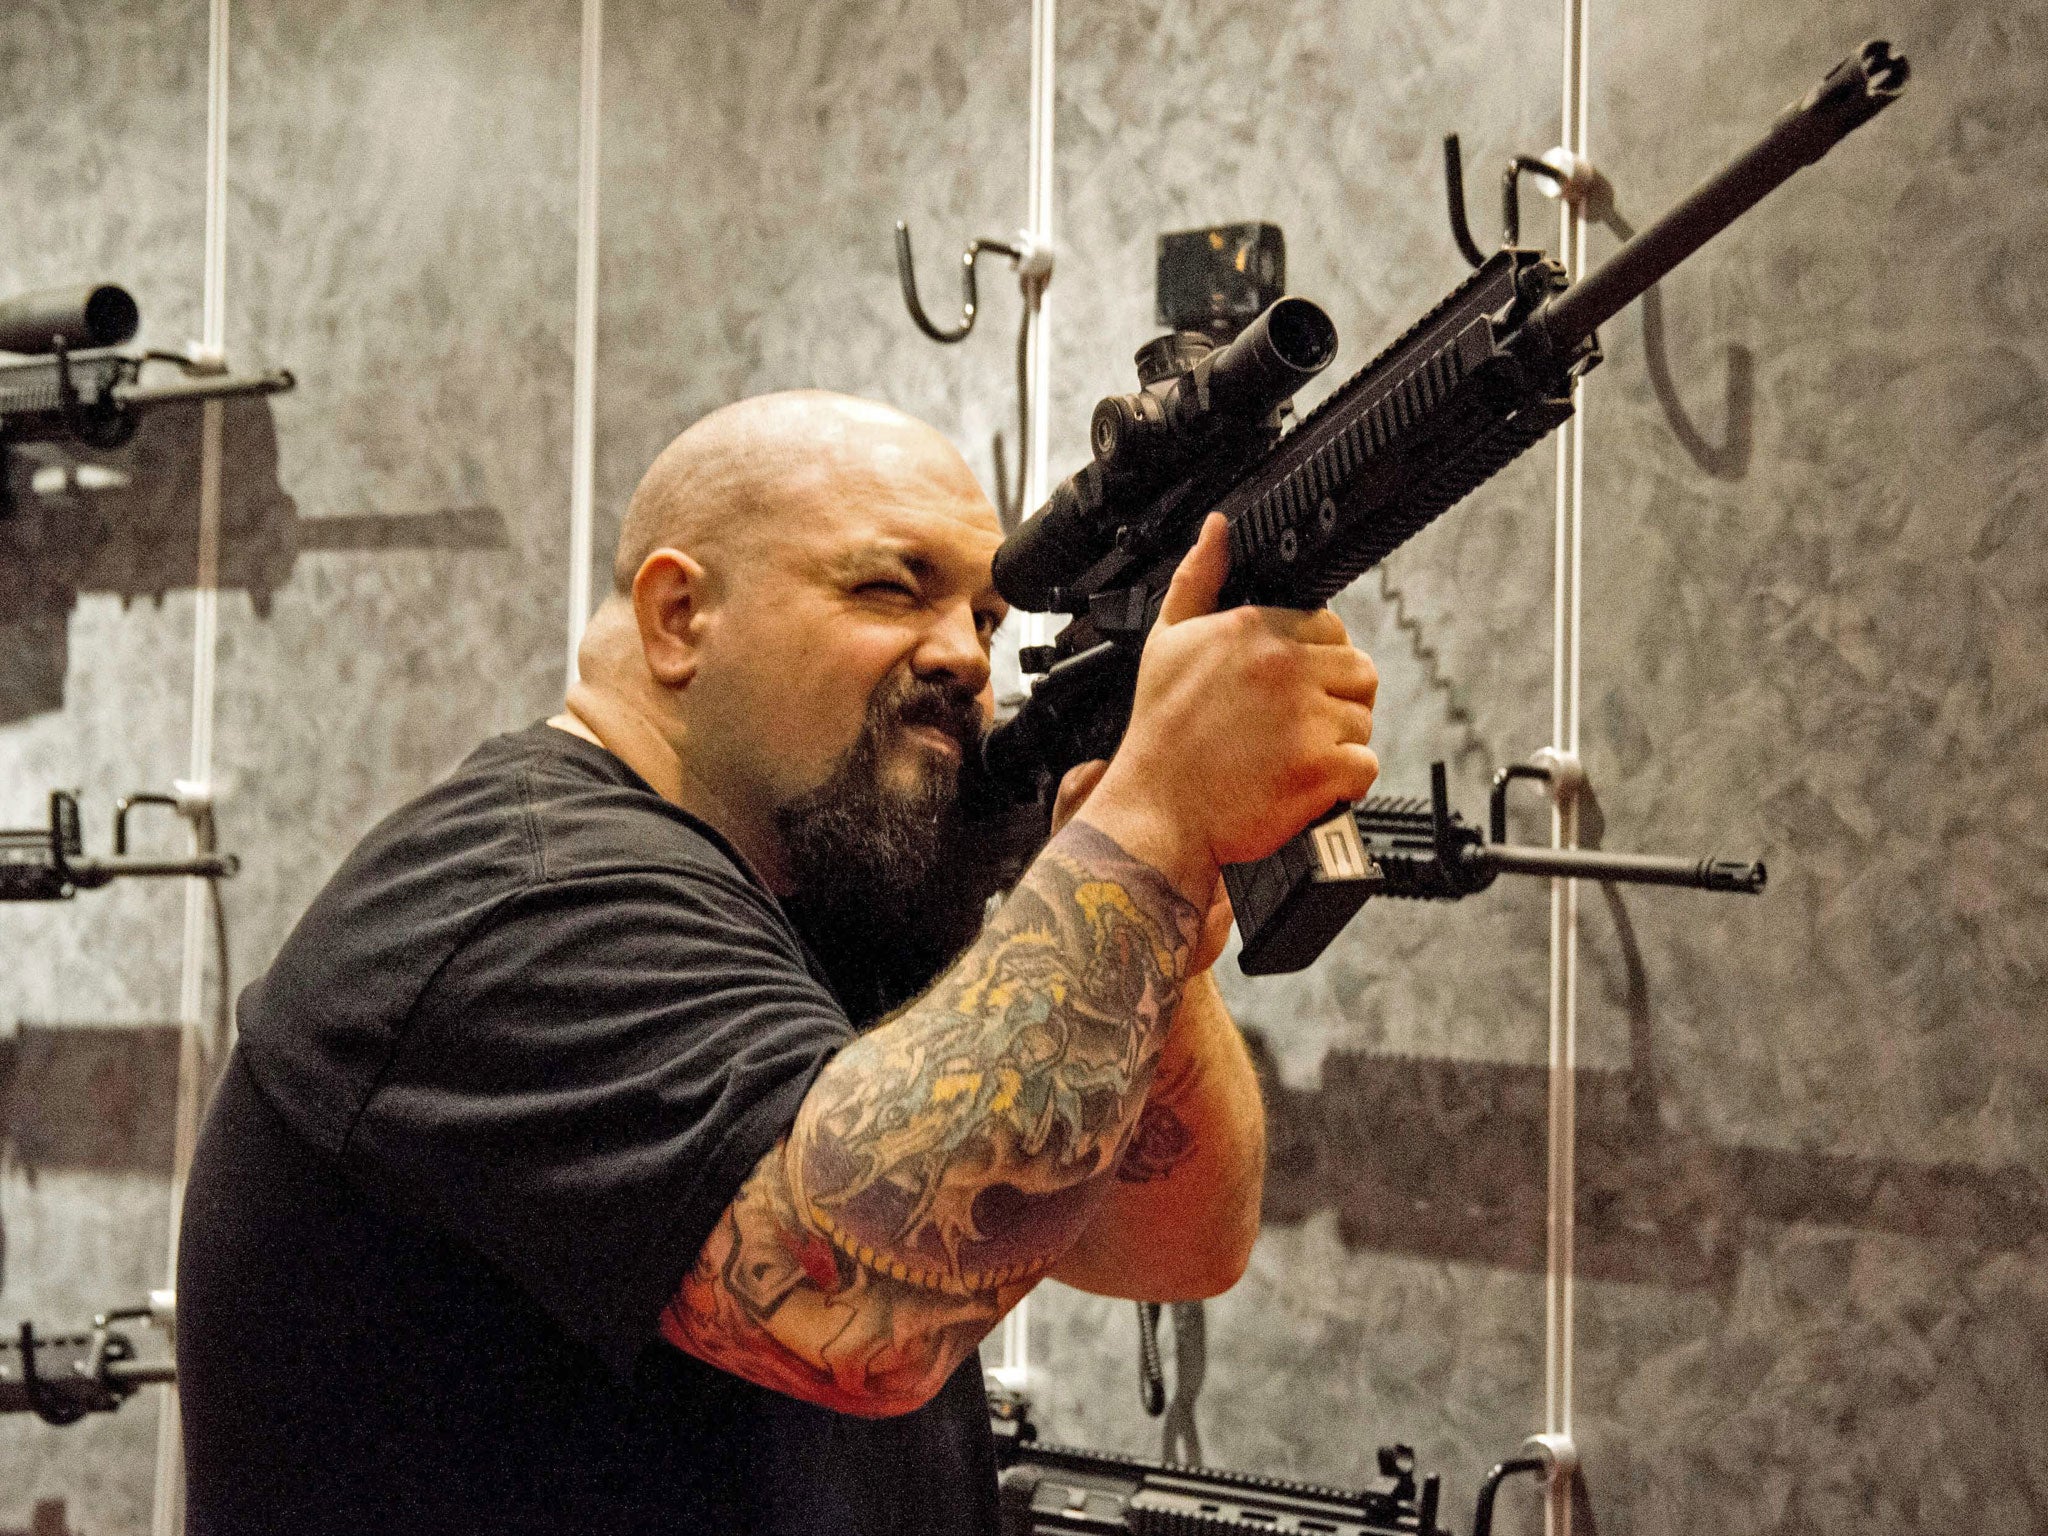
(961,1147)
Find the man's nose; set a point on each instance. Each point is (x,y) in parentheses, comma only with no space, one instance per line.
(952,649)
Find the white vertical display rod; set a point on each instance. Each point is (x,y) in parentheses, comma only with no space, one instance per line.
(1035,628)
(1564,894)
(583,385)
(197,1049)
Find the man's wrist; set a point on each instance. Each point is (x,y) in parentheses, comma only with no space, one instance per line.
(1151,835)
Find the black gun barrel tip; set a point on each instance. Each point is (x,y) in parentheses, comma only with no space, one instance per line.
(1886,71)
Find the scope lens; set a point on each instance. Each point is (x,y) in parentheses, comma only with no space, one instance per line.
(1302,334)
(110,316)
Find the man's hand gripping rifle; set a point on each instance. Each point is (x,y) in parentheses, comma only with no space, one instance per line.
(1482,377)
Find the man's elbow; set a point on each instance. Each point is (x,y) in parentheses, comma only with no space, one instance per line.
(1226,1252)
(1225,1266)
(1205,1270)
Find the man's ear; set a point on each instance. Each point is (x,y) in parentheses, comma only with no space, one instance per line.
(670,598)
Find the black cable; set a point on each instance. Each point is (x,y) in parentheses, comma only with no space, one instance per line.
(1151,1377)
(1010,506)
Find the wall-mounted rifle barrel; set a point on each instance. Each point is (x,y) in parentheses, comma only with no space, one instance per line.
(68,319)
(1850,94)
(1631,868)
(90,874)
(207,387)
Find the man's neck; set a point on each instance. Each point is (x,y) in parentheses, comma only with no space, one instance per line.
(630,737)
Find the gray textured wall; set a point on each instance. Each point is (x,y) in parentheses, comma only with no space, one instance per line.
(401,235)
(1813,1149)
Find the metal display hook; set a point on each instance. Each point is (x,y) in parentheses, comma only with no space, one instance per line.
(1567,175)
(1020,250)
(1033,262)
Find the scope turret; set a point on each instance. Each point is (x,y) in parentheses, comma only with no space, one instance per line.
(1144,441)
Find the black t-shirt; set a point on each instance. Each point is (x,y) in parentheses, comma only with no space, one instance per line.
(488,1103)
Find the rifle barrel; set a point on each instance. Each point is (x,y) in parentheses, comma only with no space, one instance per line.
(126,1375)
(89,874)
(1851,93)
(1629,868)
(206,387)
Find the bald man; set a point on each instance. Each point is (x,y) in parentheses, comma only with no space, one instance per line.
(562,1180)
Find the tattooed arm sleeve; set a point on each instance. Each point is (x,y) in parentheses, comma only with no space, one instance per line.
(1179,1222)
(943,1163)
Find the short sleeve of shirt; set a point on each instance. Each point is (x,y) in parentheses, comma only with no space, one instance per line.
(590,1077)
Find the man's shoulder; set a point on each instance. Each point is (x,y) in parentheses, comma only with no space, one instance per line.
(535,829)
(582,812)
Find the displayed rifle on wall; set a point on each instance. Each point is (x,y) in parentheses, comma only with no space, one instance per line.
(1290,906)
(1482,377)
(50,863)
(101,470)
(61,1378)
(78,387)
(1057,1490)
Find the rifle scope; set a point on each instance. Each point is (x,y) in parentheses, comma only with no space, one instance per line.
(1214,398)
(68,319)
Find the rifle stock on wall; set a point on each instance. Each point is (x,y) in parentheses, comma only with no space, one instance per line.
(1483,376)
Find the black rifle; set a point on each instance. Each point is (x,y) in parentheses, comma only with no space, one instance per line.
(1477,381)
(60,1378)
(49,863)
(1057,1490)
(80,388)
(1291,905)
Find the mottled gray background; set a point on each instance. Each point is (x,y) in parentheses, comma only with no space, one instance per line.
(1813,1154)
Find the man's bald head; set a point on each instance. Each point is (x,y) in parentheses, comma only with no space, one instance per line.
(734,473)
(803,593)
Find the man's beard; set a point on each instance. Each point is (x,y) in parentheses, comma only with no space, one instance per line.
(891,878)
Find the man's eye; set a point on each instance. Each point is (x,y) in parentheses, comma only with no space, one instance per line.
(886,588)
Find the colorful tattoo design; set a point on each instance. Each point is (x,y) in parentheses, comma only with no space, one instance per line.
(943,1163)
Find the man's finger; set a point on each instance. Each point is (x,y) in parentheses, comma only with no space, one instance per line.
(1356,768)
(1199,581)
(1347,674)
(1306,626)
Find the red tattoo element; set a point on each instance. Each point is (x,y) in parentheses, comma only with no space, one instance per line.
(815,1254)
(1157,1146)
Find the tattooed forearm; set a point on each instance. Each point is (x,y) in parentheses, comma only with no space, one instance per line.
(962,1147)
(942,1163)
